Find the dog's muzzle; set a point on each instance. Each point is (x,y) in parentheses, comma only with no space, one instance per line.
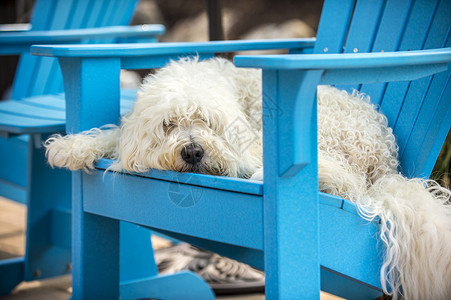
(192,153)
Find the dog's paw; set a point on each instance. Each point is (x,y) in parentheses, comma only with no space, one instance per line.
(61,151)
(258,175)
(82,150)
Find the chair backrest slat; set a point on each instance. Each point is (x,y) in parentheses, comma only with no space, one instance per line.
(43,12)
(362,30)
(41,75)
(397,93)
(430,130)
(387,38)
(108,9)
(46,67)
(332,38)
(96,9)
(63,8)
(417,111)
(421,97)
(81,14)
(92,14)
(76,13)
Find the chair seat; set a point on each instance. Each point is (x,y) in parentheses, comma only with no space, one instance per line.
(225,210)
(43,114)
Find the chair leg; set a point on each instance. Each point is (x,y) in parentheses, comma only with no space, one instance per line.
(292,262)
(47,197)
(139,276)
(48,233)
(136,253)
(95,250)
(13,171)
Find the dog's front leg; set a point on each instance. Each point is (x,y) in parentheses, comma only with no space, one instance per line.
(82,150)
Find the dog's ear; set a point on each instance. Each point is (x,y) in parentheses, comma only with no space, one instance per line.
(128,144)
(132,147)
(140,137)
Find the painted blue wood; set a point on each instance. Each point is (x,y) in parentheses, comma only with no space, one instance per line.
(49,69)
(340,61)
(362,30)
(14,43)
(43,114)
(136,259)
(59,15)
(334,36)
(19,108)
(347,240)
(292,261)
(12,191)
(92,234)
(13,177)
(413,38)
(389,31)
(145,49)
(44,67)
(306,240)
(426,138)
(48,191)
(101,199)
(218,182)
(175,204)
(99,239)
(11,274)
(364,26)
(415,119)
(60,233)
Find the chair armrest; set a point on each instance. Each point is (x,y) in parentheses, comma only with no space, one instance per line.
(143,56)
(17,42)
(349,68)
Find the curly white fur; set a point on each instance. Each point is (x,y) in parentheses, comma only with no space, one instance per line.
(218,107)
(357,160)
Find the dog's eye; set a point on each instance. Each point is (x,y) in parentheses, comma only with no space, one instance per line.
(168,125)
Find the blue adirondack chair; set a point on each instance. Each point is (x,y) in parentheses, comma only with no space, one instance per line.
(305,240)
(24,175)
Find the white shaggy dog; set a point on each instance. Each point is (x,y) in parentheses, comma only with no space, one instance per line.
(205,117)
(185,119)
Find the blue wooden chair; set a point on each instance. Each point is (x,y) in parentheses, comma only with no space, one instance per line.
(396,51)
(38,104)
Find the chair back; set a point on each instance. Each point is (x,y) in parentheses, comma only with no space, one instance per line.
(418,111)
(41,75)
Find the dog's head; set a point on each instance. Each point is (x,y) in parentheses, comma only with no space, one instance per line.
(194,117)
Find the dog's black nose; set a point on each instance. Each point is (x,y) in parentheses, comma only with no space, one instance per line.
(192,153)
